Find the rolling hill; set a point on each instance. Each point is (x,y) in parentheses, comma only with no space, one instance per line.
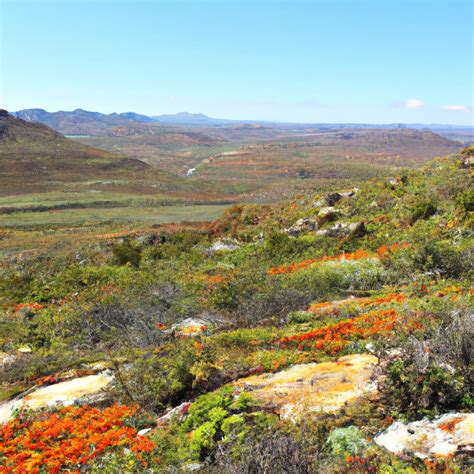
(34,158)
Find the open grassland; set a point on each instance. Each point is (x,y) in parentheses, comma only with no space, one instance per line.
(40,230)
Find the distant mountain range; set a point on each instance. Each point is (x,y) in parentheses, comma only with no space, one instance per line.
(81,121)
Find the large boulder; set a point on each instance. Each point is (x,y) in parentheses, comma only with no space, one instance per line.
(314,388)
(442,437)
(83,389)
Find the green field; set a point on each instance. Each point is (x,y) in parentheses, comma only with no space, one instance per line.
(88,216)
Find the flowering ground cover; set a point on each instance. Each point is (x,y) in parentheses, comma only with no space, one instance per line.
(67,438)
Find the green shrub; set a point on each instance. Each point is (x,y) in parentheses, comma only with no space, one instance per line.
(346,441)
(466,200)
(415,391)
(423,211)
(126,252)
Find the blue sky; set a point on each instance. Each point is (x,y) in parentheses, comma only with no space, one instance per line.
(374,61)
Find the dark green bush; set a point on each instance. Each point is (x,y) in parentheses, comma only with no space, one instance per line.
(466,200)
(127,252)
(423,211)
(440,257)
(416,391)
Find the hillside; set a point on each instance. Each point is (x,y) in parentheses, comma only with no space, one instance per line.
(36,159)
(328,333)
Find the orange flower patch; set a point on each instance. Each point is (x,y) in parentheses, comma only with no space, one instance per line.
(333,306)
(295,267)
(335,337)
(357,255)
(29,306)
(66,439)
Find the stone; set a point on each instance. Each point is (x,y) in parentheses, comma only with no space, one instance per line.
(314,388)
(444,436)
(302,225)
(193,467)
(6,359)
(25,349)
(87,389)
(328,214)
(343,228)
(349,194)
(332,198)
(189,327)
(179,411)
(224,245)
(143,432)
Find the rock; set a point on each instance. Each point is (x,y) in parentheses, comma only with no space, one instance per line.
(189,327)
(143,432)
(148,239)
(179,411)
(193,467)
(332,198)
(349,194)
(224,245)
(302,225)
(310,388)
(441,437)
(82,389)
(343,228)
(468,162)
(319,203)
(327,214)
(6,359)
(25,349)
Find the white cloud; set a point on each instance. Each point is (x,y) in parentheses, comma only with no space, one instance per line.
(458,108)
(413,104)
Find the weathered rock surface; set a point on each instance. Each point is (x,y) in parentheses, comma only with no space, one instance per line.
(343,228)
(189,327)
(87,388)
(309,388)
(443,436)
(331,199)
(224,245)
(179,411)
(302,225)
(327,214)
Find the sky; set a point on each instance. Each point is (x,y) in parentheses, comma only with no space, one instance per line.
(361,61)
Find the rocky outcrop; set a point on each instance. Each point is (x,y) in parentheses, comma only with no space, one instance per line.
(176,412)
(313,388)
(301,226)
(442,437)
(327,214)
(343,229)
(224,245)
(189,327)
(331,199)
(82,389)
